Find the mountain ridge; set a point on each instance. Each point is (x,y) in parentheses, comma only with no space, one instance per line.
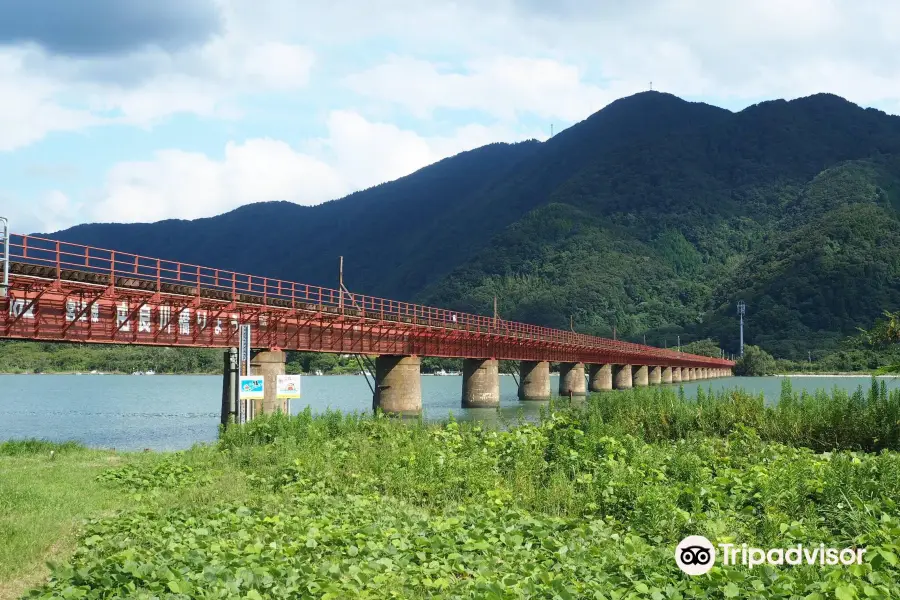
(634,218)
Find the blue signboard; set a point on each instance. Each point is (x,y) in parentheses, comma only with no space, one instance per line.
(252,387)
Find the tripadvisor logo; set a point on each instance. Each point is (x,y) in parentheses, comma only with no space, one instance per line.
(696,555)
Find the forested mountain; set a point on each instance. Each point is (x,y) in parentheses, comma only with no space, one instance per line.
(654,215)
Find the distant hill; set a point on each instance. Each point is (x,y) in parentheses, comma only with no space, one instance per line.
(653,216)
(394,238)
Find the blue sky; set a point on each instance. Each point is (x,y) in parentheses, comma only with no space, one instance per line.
(150,109)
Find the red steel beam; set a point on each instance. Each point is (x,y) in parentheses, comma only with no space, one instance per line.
(46,272)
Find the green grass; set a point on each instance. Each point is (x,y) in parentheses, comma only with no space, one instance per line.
(45,499)
(587,503)
(41,500)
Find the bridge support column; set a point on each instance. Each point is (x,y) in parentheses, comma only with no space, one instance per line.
(655,375)
(622,377)
(691,373)
(676,374)
(534,380)
(641,378)
(571,379)
(269,364)
(704,373)
(481,383)
(666,376)
(601,378)
(398,386)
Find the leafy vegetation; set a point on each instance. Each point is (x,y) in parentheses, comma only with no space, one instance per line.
(755,361)
(589,502)
(706,347)
(35,357)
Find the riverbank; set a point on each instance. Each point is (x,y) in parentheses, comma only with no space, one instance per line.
(836,374)
(592,497)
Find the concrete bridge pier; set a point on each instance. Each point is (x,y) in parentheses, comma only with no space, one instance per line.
(655,375)
(622,377)
(571,379)
(481,383)
(269,364)
(601,378)
(398,384)
(640,374)
(676,374)
(534,380)
(666,376)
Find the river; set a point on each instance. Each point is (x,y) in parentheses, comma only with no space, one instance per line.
(163,412)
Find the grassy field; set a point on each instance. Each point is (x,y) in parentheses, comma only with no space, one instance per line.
(587,503)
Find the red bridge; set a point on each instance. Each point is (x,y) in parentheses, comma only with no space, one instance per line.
(63,292)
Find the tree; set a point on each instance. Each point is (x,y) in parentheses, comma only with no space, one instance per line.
(755,362)
(705,347)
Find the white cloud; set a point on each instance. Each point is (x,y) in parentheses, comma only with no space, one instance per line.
(509,60)
(41,93)
(175,184)
(503,86)
(28,110)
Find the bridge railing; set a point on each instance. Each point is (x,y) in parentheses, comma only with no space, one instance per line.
(184,278)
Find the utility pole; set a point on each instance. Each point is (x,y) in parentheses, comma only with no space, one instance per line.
(679,343)
(572,322)
(742,308)
(645,339)
(341,284)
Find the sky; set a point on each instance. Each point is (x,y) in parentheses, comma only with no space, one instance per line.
(145,110)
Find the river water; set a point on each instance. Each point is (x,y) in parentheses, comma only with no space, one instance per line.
(163,412)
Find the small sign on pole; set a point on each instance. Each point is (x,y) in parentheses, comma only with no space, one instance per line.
(253,387)
(288,387)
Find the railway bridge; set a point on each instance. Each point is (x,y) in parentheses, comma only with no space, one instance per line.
(64,292)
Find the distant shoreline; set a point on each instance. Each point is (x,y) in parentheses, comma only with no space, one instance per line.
(832,375)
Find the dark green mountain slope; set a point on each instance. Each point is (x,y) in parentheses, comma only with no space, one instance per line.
(831,266)
(391,236)
(653,215)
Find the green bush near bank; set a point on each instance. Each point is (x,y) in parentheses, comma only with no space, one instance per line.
(589,502)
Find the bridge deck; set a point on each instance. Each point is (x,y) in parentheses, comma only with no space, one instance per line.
(68,292)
